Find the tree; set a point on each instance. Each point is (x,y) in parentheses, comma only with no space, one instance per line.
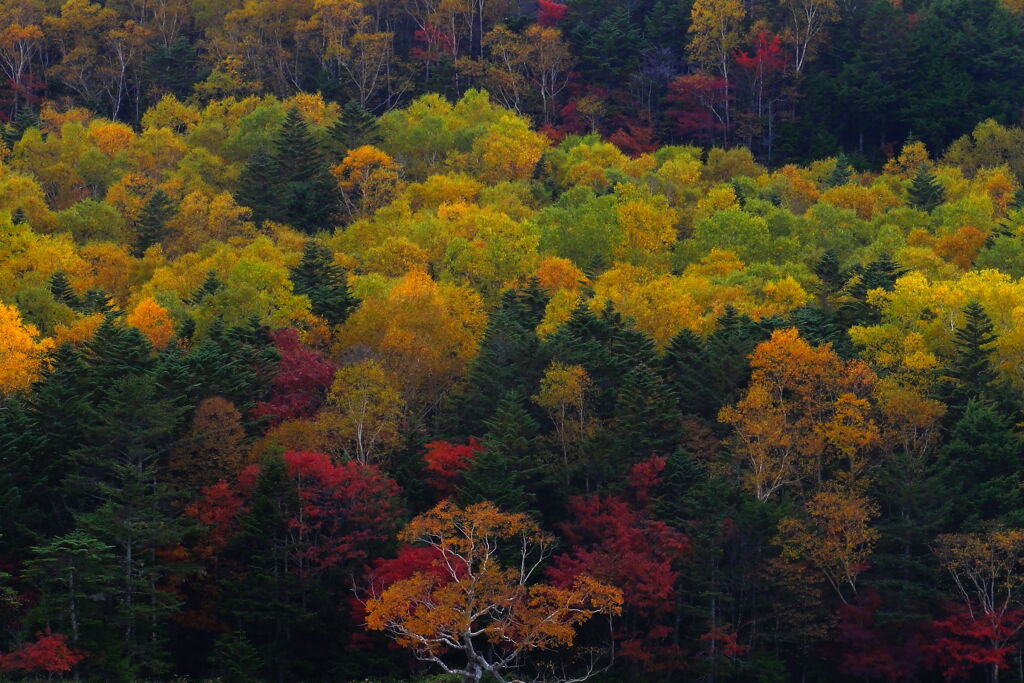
(970,373)
(354,128)
(301,382)
(715,34)
(806,412)
(21,351)
(564,394)
(488,611)
(304,192)
(151,226)
(62,291)
(257,186)
(502,472)
(213,449)
(364,411)
(924,192)
(807,21)
(986,571)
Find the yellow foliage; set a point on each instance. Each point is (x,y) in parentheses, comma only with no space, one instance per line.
(21,351)
(153,320)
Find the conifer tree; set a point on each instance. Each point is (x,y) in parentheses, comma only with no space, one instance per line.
(925,192)
(501,473)
(354,128)
(18,216)
(324,282)
(96,300)
(840,175)
(151,226)
(684,368)
(62,291)
(647,418)
(970,373)
(829,272)
(306,194)
(258,187)
(211,285)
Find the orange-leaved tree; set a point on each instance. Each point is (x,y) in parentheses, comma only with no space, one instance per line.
(479,601)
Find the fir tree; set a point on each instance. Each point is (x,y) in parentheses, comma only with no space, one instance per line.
(840,175)
(324,282)
(970,373)
(925,192)
(306,196)
(258,187)
(23,119)
(62,291)
(684,368)
(151,226)
(829,272)
(354,128)
(211,285)
(647,418)
(501,472)
(96,301)
(116,351)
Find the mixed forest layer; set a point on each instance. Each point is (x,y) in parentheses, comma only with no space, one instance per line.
(296,393)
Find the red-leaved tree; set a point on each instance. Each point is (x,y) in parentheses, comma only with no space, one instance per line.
(301,383)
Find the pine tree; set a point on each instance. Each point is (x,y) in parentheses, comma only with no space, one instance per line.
(306,194)
(354,128)
(324,282)
(925,192)
(258,187)
(506,471)
(62,291)
(151,226)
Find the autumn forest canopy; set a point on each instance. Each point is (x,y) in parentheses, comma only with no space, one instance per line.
(481,340)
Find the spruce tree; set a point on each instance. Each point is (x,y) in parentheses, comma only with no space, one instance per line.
(354,128)
(925,192)
(116,351)
(501,473)
(306,195)
(23,491)
(258,187)
(324,282)
(684,368)
(96,300)
(151,226)
(829,272)
(62,291)
(23,119)
(728,348)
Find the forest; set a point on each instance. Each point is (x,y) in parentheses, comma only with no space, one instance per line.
(489,341)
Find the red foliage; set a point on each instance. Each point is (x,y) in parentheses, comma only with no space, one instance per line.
(766,57)
(964,641)
(343,509)
(431,44)
(867,651)
(613,542)
(49,653)
(447,461)
(722,642)
(698,100)
(637,140)
(550,13)
(218,509)
(645,476)
(303,377)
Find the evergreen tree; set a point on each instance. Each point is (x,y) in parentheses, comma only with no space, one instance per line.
(305,193)
(96,300)
(840,175)
(647,418)
(18,216)
(829,272)
(684,369)
(354,128)
(324,282)
(502,472)
(970,374)
(258,187)
(819,327)
(23,119)
(62,291)
(23,492)
(728,348)
(981,466)
(116,351)
(151,226)
(211,285)
(925,192)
